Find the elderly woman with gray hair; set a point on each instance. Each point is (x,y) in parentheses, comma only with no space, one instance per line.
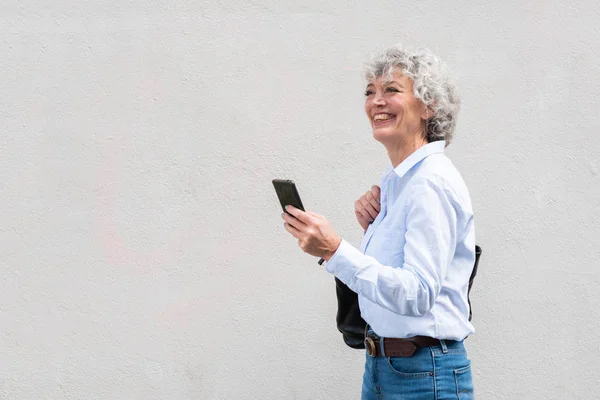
(412,270)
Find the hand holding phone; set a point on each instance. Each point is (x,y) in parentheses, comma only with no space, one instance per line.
(288,195)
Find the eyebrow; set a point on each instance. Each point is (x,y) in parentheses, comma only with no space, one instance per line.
(387,83)
(394,82)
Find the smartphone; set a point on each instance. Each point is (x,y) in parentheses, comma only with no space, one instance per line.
(287,193)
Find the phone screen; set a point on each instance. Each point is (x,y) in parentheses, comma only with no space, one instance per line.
(287,193)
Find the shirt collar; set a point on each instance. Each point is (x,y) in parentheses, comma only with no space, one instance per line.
(420,154)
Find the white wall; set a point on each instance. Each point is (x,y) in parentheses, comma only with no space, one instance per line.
(141,247)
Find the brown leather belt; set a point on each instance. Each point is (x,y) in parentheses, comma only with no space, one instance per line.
(394,347)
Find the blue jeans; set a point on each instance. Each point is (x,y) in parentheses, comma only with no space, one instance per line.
(436,373)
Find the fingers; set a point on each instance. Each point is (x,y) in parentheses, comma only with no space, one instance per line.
(372,201)
(362,220)
(368,208)
(360,211)
(299,214)
(293,221)
(376,193)
(291,229)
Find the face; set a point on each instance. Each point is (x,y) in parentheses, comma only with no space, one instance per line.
(393,110)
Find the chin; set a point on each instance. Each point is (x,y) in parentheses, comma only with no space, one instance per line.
(383,136)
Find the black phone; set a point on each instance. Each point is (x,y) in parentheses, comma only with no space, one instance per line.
(287,193)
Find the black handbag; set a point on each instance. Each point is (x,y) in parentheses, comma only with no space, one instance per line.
(348,319)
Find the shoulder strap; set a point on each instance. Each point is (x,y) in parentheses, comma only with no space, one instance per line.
(477,255)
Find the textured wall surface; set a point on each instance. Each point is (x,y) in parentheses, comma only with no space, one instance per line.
(141,247)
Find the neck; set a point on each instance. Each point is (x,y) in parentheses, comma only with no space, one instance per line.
(400,151)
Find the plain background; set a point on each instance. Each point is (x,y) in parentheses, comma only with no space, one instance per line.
(141,245)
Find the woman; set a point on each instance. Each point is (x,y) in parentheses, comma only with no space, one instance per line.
(412,269)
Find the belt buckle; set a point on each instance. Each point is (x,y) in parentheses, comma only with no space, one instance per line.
(370,346)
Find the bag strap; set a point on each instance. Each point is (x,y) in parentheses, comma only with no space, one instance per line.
(477,255)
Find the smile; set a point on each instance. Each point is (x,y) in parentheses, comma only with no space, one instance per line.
(383,117)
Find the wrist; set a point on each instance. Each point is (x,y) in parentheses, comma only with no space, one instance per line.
(333,249)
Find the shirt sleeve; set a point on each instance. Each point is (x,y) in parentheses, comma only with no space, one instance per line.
(430,243)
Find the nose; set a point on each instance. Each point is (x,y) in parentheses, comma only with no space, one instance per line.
(378,99)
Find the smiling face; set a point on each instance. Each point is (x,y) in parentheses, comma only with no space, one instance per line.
(396,115)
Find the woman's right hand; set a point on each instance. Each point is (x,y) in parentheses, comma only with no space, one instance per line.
(367,207)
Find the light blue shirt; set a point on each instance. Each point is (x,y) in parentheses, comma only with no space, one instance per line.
(413,267)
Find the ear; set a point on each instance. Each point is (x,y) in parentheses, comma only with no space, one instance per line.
(427,112)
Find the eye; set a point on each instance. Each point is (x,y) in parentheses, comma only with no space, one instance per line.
(392,90)
(368,93)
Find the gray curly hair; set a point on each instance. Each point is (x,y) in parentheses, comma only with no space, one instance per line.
(432,82)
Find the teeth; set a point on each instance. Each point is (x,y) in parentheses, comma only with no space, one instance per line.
(381,117)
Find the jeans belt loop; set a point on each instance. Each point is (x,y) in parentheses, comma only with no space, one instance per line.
(382,347)
(444,346)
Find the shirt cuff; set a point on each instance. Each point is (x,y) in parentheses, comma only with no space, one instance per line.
(345,262)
